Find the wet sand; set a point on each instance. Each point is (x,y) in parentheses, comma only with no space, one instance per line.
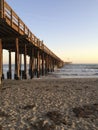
(49,104)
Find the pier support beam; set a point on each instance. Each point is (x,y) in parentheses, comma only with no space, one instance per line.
(20,62)
(25,62)
(31,69)
(0,61)
(9,73)
(52,64)
(2,65)
(17,74)
(42,63)
(46,64)
(38,64)
(49,58)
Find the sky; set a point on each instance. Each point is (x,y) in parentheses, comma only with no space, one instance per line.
(68,27)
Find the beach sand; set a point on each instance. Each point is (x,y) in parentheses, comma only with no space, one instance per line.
(49,104)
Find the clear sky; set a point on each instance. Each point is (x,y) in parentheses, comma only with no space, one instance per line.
(68,27)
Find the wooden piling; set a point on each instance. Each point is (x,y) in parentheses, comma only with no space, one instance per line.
(17,74)
(9,61)
(50,66)
(43,64)
(46,64)
(31,66)
(38,64)
(2,65)
(53,65)
(25,62)
(20,62)
(9,75)
(0,61)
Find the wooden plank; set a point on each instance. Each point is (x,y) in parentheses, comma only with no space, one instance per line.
(6,5)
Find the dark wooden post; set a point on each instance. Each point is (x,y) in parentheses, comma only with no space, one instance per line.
(9,61)
(2,66)
(32,65)
(9,74)
(30,62)
(31,70)
(53,65)
(46,64)
(25,62)
(50,64)
(1,8)
(20,62)
(35,66)
(38,64)
(17,74)
(42,63)
(0,61)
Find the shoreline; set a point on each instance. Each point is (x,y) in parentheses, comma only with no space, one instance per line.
(49,103)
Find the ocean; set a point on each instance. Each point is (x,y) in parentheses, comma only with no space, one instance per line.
(77,71)
(67,71)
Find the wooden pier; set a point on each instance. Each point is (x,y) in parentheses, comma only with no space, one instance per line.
(16,37)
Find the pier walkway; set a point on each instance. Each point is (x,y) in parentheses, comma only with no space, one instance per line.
(16,37)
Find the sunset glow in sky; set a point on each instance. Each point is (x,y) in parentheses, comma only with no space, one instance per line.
(68,27)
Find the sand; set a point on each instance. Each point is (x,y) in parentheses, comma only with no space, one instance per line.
(49,104)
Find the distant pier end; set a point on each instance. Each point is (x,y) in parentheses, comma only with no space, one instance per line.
(16,37)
